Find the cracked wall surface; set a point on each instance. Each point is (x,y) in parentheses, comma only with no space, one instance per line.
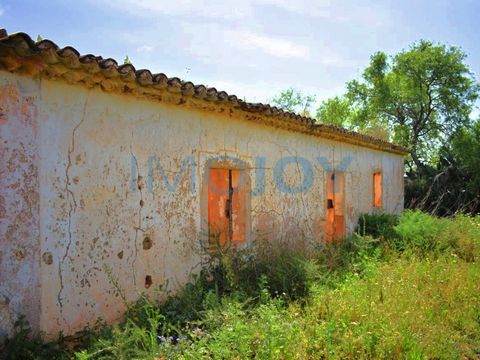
(96,234)
(19,203)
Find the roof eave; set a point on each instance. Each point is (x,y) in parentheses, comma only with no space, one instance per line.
(20,54)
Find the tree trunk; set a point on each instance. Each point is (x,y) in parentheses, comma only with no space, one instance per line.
(421,168)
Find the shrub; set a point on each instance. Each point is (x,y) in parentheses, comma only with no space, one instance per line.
(428,234)
(418,230)
(188,305)
(462,237)
(137,337)
(342,301)
(350,255)
(243,274)
(23,345)
(377,225)
(286,272)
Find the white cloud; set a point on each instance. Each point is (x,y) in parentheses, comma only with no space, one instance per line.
(212,40)
(199,8)
(274,46)
(324,8)
(196,40)
(213,43)
(369,14)
(144,49)
(330,57)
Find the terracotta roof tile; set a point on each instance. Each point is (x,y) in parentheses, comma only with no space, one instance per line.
(46,53)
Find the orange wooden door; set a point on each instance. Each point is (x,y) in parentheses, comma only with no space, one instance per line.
(226,206)
(239,210)
(218,194)
(335,219)
(330,225)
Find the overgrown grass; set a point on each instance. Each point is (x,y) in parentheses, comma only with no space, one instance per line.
(402,287)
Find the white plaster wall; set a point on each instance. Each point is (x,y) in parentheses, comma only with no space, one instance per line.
(19,203)
(92,224)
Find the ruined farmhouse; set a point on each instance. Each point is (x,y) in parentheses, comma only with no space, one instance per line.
(110,172)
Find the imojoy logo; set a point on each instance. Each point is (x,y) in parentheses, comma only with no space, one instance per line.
(156,172)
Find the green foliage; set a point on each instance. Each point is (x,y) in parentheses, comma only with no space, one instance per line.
(422,98)
(426,235)
(127,60)
(462,238)
(377,225)
(342,112)
(419,230)
(294,100)
(188,305)
(287,272)
(23,345)
(335,111)
(267,331)
(406,308)
(401,287)
(419,98)
(135,338)
(423,94)
(465,149)
(453,185)
(348,256)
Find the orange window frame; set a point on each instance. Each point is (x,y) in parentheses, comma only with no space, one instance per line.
(377,189)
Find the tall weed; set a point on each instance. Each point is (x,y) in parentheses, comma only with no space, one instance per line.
(401,287)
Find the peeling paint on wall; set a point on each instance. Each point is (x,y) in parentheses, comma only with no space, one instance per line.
(19,204)
(83,229)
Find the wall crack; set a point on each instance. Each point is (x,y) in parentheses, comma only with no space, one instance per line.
(139,225)
(72,208)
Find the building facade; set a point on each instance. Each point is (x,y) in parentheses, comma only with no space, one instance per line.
(113,178)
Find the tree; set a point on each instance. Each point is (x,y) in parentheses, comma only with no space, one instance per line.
(465,147)
(294,100)
(418,98)
(421,98)
(453,184)
(423,95)
(339,111)
(335,111)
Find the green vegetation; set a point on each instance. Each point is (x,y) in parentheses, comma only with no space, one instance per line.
(127,60)
(294,100)
(401,287)
(422,98)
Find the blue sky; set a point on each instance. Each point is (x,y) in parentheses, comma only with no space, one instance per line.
(251,48)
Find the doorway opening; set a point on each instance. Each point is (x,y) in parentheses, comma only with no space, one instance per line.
(226,206)
(335,224)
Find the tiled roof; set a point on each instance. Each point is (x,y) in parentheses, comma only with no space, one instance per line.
(19,53)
